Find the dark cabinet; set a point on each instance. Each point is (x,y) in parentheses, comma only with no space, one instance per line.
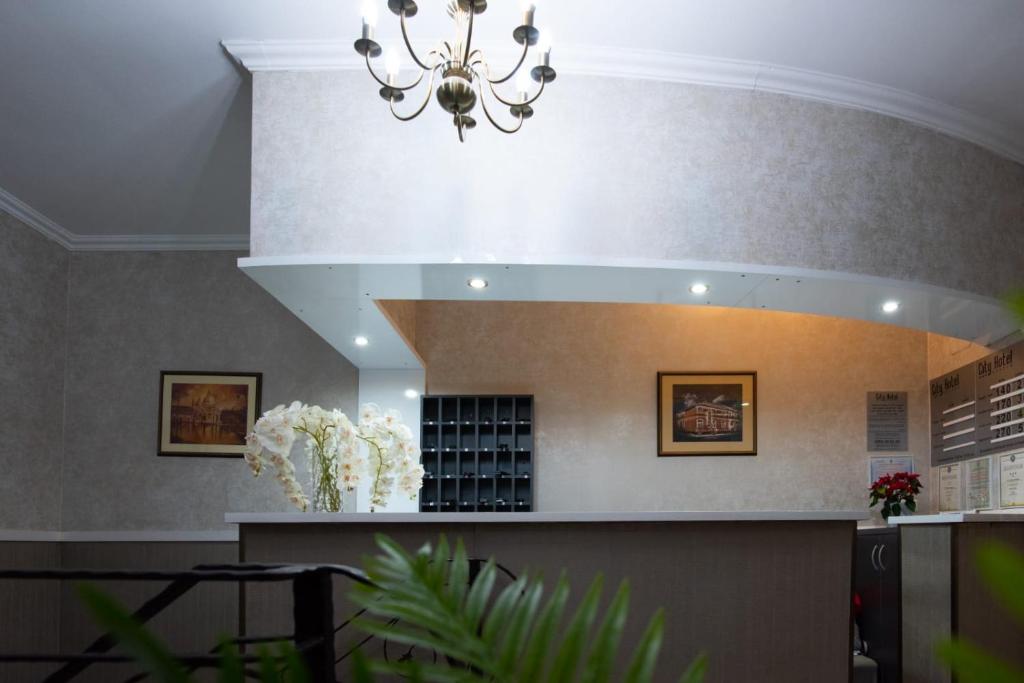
(877,580)
(477,454)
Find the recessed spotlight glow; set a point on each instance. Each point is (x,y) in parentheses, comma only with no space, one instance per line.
(477,283)
(411,393)
(699,288)
(361,341)
(891,306)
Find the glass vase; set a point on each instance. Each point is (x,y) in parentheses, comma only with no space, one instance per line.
(323,471)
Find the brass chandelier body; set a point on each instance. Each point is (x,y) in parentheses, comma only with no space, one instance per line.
(464,71)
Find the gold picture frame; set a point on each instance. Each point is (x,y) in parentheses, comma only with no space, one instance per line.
(207,413)
(707,413)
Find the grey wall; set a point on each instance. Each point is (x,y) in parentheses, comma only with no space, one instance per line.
(33,335)
(135,314)
(657,171)
(85,413)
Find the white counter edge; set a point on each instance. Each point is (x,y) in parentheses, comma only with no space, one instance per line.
(540,517)
(959,518)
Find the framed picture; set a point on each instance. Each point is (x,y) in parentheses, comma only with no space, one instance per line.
(707,413)
(207,413)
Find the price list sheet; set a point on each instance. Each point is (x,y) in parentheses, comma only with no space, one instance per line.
(953,412)
(1000,394)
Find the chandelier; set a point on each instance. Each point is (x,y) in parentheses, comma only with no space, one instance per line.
(464,70)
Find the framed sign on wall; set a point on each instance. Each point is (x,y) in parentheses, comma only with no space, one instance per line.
(707,413)
(207,413)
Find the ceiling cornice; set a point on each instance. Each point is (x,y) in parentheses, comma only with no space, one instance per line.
(72,242)
(281,55)
(32,218)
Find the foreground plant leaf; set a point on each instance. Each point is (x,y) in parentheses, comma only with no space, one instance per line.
(972,665)
(515,636)
(1002,567)
(147,650)
(1015,302)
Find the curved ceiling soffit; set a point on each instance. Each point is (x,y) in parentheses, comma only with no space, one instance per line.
(271,55)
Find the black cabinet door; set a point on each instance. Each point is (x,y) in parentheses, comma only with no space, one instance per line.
(887,654)
(868,584)
(877,581)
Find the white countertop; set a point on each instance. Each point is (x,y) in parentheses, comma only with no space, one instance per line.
(959,518)
(540,517)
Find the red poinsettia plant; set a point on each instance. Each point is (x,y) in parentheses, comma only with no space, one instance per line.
(895,491)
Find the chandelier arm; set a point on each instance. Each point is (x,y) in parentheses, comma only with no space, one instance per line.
(369,67)
(522,58)
(518,104)
(430,91)
(487,113)
(469,37)
(408,45)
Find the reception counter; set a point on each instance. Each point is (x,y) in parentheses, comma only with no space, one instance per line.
(942,593)
(765,594)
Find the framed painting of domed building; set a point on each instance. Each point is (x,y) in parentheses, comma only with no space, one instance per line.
(707,413)
(207,413)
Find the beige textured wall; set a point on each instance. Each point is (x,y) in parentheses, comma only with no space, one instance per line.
(402,314)
(946,354)
(592,369)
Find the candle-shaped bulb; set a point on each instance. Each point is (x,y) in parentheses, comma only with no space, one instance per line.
(369,13)
(392,62)
(523,84)
(528,7)
(544,42)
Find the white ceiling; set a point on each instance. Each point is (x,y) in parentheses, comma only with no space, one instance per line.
(121,117)
(343,294)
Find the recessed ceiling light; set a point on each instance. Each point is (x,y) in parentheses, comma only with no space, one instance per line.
(477,283)
(361,341)
(411,393)
(891,306)
(699,288)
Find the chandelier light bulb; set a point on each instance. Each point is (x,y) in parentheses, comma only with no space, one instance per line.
(523,81)
(528,7)
(392,62)
(544,43)
(369,13)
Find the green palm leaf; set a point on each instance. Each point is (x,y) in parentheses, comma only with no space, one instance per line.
(1015,302)
(512,636)
(972,665)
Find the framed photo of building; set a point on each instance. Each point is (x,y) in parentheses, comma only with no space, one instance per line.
(707,413)
(207,413)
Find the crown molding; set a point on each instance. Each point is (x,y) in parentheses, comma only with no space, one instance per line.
(161,243)
(284,55)
(32,218)
(72,242)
